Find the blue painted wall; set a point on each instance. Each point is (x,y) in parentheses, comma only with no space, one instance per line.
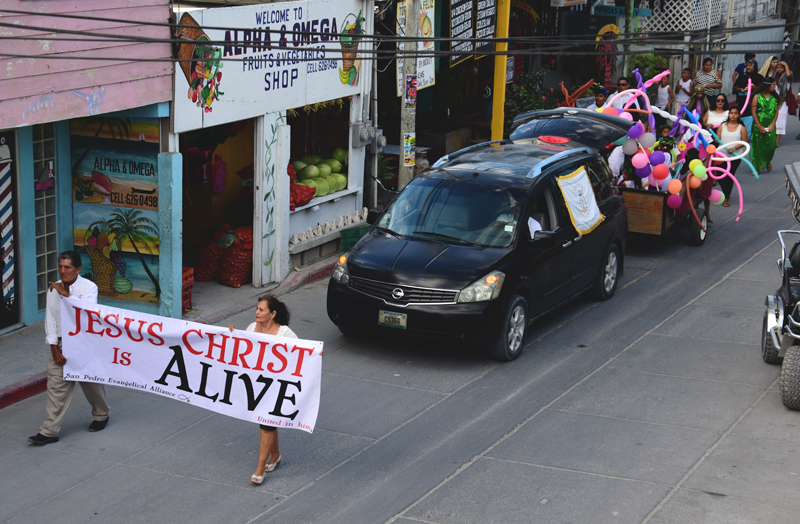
(27,227)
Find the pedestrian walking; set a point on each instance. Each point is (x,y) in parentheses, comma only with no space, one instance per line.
(764,108)
(272,318)
(683,90)
(59,391)
(752,75)
(783,87)
(731,130)
(741,67)
(709,78)
(718,113)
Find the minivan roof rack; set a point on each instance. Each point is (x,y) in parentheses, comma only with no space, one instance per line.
(537,170)
(446,158)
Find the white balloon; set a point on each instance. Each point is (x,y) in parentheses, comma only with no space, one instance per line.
(647,140)
(630,146)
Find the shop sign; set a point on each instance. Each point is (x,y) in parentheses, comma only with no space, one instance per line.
(426,71)
(292,54)
(115,204)
(461,29)
(485,25)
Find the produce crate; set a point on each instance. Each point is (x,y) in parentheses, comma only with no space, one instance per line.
(187,284)
(351,236)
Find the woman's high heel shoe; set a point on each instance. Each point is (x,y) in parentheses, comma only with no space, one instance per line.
(271,467)
(255,479)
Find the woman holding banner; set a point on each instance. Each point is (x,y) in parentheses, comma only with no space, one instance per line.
(272,318)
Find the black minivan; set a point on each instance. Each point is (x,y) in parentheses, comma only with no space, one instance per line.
(488,239)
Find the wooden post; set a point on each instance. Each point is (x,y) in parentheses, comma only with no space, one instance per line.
(408,116)
(500,69)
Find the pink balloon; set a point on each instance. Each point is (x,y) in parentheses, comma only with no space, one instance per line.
(626,116)
(652,180)
(716,196)
(639,160)
(674,201)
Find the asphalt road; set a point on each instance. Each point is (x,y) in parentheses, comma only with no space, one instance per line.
(652,407)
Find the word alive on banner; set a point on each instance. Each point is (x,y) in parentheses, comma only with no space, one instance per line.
(246,375)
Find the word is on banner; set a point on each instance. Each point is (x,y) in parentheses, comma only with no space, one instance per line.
(250,376)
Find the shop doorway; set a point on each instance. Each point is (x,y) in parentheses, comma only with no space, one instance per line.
(9,289)
(218,170)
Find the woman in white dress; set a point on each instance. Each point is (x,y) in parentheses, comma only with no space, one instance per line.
(783,84)
(272,318)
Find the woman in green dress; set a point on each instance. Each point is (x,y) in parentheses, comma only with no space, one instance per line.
(764,109)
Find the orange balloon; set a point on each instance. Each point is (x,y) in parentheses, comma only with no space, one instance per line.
(710,149)
(694,182)
(674,187)
(611,111)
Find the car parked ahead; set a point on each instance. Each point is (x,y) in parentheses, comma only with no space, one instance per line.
(491,238)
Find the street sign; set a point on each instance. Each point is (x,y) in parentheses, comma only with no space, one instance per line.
(620,11)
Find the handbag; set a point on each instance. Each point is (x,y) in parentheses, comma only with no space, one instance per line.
(791,102)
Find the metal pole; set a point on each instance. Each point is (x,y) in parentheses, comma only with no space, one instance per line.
(500,69)
(408,116)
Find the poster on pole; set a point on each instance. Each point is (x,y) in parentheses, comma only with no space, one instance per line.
(411,92)
(409,149)
(461,30)
(426,71)
(251,376)
(485,26)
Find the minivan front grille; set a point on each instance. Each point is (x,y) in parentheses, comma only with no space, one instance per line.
(410,294)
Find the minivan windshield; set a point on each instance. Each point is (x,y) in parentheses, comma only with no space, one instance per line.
(456,212)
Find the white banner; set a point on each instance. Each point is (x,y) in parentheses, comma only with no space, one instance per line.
(581,202)
(260,378)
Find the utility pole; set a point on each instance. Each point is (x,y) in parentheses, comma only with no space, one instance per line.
(408,116)
(627,46)
(500,70)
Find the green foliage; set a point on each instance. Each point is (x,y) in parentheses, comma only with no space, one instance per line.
(527,93)
(648,65)
(387,167)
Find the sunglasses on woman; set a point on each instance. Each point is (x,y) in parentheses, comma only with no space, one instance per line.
(720,100)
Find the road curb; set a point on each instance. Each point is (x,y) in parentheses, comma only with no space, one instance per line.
(23,389)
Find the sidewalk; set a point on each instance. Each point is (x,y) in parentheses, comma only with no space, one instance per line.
(23,353)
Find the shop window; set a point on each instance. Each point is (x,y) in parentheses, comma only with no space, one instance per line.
(45,210)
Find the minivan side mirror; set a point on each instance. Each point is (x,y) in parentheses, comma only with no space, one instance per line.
(544,238)
(372,216)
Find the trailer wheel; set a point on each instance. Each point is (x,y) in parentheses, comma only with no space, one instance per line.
(768,350)
(697,234)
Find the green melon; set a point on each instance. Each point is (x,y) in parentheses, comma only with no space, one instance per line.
(123,285)
(340,154)
(341,181)
(298,165)
(324,169)
(336,166)
(308,172)
(323,188)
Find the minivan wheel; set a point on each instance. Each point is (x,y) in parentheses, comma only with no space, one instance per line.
(608,277)
(511,338)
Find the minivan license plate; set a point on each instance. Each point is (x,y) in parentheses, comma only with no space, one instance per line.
(392,319)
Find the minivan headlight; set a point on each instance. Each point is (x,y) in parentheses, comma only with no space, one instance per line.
(487,288)
(340,273)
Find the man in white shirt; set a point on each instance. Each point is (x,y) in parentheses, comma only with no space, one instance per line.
(600,96)
(59,391)
(623,85)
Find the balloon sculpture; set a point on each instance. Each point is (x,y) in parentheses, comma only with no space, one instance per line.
(569,99)
(662,169)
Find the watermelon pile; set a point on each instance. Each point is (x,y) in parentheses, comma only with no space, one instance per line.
(324,176)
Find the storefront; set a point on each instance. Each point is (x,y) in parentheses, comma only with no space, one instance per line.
(55,112)
(291,89)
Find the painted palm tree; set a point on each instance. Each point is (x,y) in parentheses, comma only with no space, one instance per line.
(114,124)
(128,223)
